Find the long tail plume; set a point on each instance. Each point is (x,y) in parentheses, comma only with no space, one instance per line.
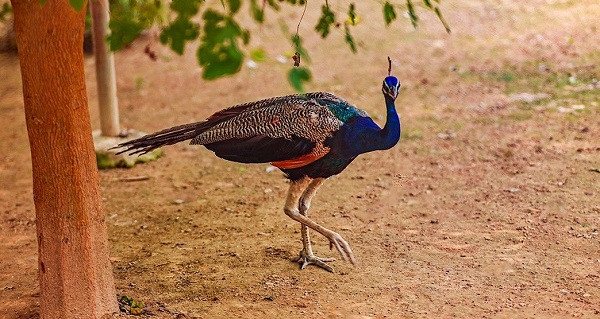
(168,136)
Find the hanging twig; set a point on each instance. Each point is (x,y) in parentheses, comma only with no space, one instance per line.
(302,17)
(389,66)
(296,56)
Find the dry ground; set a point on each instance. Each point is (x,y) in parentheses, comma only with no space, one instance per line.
(488,207)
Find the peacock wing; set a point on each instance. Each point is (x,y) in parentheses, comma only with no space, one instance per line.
(289,128)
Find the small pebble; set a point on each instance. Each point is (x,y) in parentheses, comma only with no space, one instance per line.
(251,64)
(281,59)
(562,109)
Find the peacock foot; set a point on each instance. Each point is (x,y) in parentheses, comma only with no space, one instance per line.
(335,240)
(305,259)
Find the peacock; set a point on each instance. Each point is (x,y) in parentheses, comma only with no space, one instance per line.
(310,137)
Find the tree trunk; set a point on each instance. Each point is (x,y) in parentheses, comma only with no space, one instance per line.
(74,268)
(105,70)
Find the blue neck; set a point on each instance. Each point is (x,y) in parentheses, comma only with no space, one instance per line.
(390,134)
(365,136)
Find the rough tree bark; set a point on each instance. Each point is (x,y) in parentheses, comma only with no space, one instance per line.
(105,70)
(74,268)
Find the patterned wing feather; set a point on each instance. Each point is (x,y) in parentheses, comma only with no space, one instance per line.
(288,130)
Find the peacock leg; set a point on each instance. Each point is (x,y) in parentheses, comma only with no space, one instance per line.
(306,256)
(291,209)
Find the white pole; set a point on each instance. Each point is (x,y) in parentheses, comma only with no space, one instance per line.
(105,70)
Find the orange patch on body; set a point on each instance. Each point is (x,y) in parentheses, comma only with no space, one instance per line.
(303,160)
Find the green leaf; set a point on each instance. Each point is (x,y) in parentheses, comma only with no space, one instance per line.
(5,10)
(298,76)
(130,17)
(295,2)
(227,60)
(258,55)
(219,54)
(77,4)
(352,14)
(389,13)
(439,14)
(428,4)
(182,29)
(327,19)
(178,32)
(187,8)
(298,47)
(273,4)
(234,6)
(123,32)
(350,39)
(257,12)
(414,19)
(245,37)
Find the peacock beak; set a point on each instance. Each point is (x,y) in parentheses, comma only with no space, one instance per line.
(392,92)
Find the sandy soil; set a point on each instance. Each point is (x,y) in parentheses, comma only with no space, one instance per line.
(488,208)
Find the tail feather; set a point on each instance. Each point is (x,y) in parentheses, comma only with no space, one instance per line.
(168,136)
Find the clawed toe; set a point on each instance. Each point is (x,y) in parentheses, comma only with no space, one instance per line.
(335,240)
(309,259)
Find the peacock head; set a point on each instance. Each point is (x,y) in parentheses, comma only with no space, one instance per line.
(390,87)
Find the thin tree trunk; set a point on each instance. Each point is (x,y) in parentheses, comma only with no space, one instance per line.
(105,70)
(74,267)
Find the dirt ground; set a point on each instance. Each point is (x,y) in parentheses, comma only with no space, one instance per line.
(489,207)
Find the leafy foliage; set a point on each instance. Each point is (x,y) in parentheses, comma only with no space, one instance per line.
(350,39)
(258,55)
(178,32)
(389,14)
(298,47)
(182,29)
(326,21)
(130,17)
(221,37)
(439,14)
(352,20)
(352,17)
(414,19)
(219,53)
(4,11)
(297,77)
(257,13)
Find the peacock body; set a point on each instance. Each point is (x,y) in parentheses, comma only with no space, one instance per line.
(310,137)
